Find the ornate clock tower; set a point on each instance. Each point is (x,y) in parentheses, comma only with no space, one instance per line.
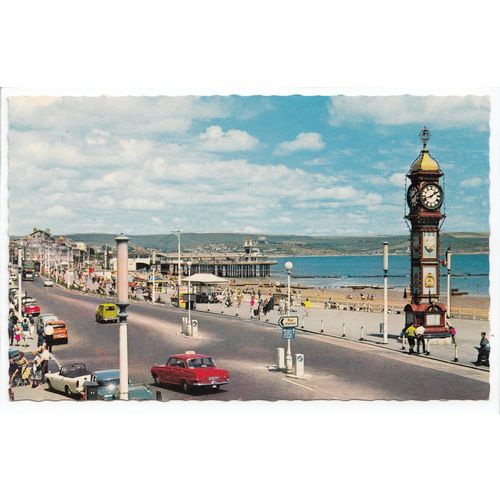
(425,197)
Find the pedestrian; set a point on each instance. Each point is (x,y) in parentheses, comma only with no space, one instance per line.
(252,303)
(49,336)
(420,333)
(410,335)
(25,331)
(282,306)
(453,332)
(45,356)
(483,355)
(307,303)
(31,326)
(11,331)
(40,334)
(24,368)
(17,334)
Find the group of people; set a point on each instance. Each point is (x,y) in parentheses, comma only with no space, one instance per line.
(415,336)
(20,331)
(24,372)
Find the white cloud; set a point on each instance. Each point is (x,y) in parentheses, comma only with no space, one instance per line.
(58,211)
(215,139)
(304,141)
(433,111)
(397,179)
(471,182)
(317,162)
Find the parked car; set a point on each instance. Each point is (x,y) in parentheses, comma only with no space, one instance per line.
(106,312)
(190,370)
(48,282)
(31,307)
(109,387)
(69,379)
(57,328)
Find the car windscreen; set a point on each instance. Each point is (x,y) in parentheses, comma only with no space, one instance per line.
(108,382)
(201,363)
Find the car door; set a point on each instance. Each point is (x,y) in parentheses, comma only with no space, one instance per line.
(178,371)
(164,371)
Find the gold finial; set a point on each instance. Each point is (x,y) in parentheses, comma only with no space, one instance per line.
(425,135)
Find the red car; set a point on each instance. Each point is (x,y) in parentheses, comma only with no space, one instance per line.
(190,370)
(31,308)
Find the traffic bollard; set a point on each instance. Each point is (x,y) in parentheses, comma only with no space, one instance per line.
(361,334)
(237,311)
(280,358)
(302,325)
(322,329)
(222,310)
(456,353)
(343,329)
(299,365)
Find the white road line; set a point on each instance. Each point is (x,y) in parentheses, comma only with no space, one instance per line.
(296,383)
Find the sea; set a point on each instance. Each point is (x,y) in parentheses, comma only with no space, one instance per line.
(470,272)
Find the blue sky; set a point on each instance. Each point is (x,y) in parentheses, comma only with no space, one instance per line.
(271,165)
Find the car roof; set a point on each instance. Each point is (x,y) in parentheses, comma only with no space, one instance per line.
(190,355)
(108,304)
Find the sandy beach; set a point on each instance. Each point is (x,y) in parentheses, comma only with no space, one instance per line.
(318,296)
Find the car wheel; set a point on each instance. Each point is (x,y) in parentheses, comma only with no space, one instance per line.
(185,386)
(155,379)
(67,391)
(49,385)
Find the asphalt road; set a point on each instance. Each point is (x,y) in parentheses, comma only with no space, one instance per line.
(338,369)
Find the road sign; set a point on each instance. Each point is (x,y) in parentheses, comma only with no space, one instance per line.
(288,333)
(288,321)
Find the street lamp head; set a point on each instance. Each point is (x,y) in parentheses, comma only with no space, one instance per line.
(189,263)
(288,266)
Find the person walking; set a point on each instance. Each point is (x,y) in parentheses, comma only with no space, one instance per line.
(40,330)
(307,303)
(410,335)
(419,332)
(25,331)
(252,304)
(31,322)
(483,354)
(11,331)
(17,334)
(24,368)
(453,332)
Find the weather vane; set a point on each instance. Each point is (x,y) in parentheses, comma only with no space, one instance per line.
(425,135)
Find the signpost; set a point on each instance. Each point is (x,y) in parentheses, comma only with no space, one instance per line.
(288,321)
(288,333)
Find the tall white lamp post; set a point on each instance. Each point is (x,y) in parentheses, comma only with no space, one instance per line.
(288,356)
(190,330)
(154,278)
(19,281)
(386,269)
(122,303)
(448,294)
(178,233)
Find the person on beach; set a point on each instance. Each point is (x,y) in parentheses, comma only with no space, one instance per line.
(410,335)
(419,332)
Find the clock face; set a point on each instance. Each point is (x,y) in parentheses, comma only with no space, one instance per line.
(431,196)
(412,196)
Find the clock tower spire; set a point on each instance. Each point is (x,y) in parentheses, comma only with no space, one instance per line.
(425,198)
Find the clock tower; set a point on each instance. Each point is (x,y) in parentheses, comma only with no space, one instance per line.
(425,198)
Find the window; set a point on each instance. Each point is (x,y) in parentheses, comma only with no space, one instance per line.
(172,362)
(201,363)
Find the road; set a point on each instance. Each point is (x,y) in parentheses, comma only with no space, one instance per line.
(338,369)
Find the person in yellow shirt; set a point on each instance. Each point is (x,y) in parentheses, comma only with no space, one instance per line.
(307,303)
(411,333)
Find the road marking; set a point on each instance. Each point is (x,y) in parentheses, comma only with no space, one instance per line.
(300,385)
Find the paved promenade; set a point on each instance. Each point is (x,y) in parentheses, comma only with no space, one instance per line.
(333,322)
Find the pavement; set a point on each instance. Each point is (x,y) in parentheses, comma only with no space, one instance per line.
(339,368)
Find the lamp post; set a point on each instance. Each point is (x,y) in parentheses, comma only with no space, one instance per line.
(288,356)
(19,281)
(190,330)
(122,303)
(448,294)
(386,269)
(154,278)
(178,233)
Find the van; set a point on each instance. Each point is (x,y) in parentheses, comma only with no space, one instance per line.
(107,312)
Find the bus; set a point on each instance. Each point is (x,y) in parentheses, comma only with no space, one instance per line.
(28,273)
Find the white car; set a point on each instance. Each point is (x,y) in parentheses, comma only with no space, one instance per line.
(48,282)
(69,379)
